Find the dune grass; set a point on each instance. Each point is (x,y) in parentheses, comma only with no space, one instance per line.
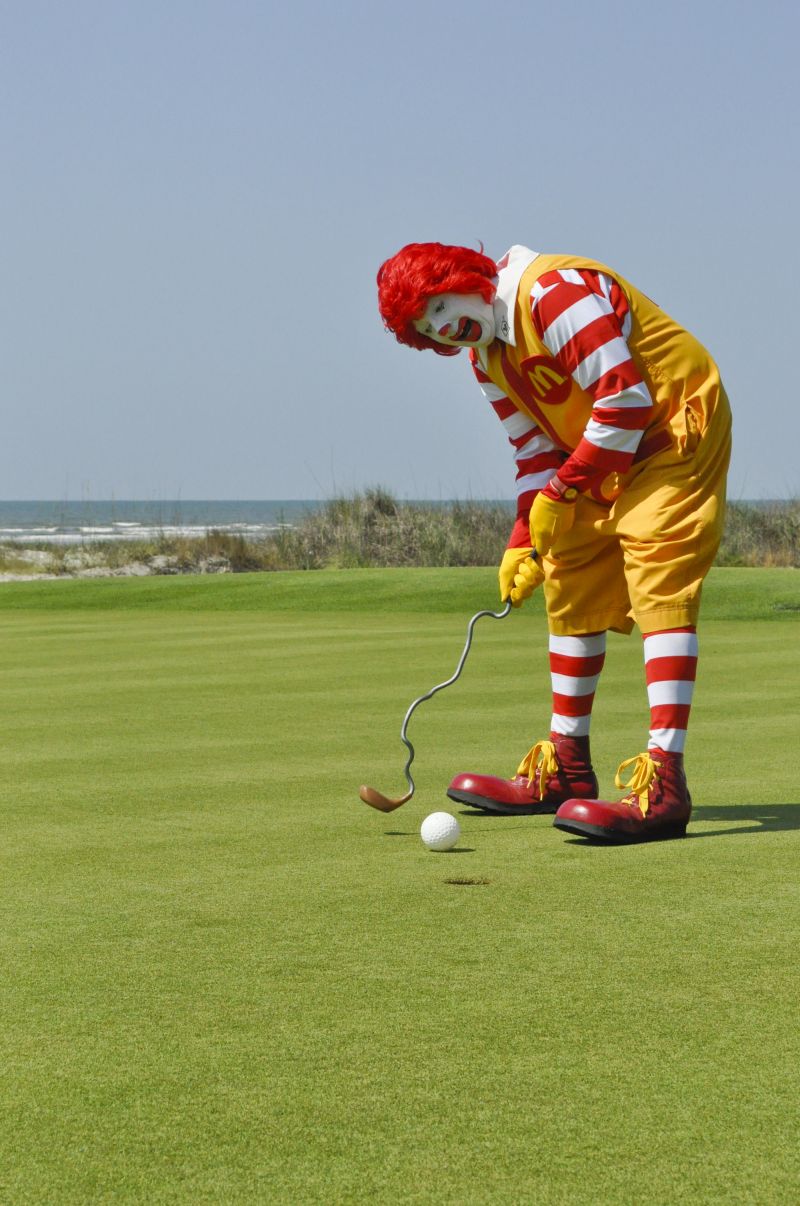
(225,979)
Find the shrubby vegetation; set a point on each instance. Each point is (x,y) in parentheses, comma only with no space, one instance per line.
(374,529)
(764,535)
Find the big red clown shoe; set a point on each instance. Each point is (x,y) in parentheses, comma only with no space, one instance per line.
(550,773)
(658,804)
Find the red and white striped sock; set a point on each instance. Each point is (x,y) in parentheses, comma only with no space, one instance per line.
(670,660)
(575,665)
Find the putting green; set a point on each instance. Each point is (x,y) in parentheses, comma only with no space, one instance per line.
(226,979)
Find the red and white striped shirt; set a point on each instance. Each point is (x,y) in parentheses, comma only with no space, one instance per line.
(582,318)
(536,456)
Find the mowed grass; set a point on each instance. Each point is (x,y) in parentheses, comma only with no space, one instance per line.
(227,980)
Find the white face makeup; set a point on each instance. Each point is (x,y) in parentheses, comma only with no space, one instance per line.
(458,320)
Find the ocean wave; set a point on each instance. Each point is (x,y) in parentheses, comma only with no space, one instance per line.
(129,531)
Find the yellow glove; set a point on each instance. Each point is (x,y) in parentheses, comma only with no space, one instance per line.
(550,520)
(519,576)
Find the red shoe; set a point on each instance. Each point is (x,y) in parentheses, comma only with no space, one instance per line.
(658,804)
(564,772)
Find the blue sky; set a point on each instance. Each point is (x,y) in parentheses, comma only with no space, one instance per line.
(197,196)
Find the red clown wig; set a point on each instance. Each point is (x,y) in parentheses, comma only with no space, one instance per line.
(420,271)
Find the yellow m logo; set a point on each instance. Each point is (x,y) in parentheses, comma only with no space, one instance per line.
(543,378)
(547,382)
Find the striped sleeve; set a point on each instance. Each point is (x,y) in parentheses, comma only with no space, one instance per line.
(536,457)
(583,319)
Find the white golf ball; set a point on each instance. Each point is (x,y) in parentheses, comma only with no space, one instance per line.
(440,831)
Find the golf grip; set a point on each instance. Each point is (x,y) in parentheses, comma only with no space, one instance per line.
(495,615)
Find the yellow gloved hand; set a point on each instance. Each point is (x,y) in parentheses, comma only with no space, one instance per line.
(519,575)
(550,520)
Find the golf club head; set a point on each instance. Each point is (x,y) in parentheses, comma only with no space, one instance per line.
(377,799)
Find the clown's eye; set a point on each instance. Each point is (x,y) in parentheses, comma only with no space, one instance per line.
(437,309)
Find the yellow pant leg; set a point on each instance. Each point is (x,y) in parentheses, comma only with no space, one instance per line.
(585,588)
(670,520)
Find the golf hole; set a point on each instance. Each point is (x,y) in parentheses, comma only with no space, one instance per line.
(466,883)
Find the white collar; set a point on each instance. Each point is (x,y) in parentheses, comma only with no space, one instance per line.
(509,273)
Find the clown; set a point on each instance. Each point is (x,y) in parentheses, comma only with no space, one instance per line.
(621,431)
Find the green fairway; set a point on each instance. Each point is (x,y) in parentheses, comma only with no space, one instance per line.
(225,979)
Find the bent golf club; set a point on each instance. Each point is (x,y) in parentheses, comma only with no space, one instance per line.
(377,799)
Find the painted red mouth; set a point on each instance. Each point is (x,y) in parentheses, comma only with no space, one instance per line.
(468,331)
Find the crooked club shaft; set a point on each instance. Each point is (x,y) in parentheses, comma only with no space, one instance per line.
(376,799)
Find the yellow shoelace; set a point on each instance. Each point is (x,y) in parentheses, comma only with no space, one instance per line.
(638,786)
(546,751)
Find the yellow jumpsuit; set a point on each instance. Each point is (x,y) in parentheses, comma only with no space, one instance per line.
(643,541)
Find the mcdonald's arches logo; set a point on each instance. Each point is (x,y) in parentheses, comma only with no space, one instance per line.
(550,384)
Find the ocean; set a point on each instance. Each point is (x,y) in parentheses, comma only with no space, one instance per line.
(53,522)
